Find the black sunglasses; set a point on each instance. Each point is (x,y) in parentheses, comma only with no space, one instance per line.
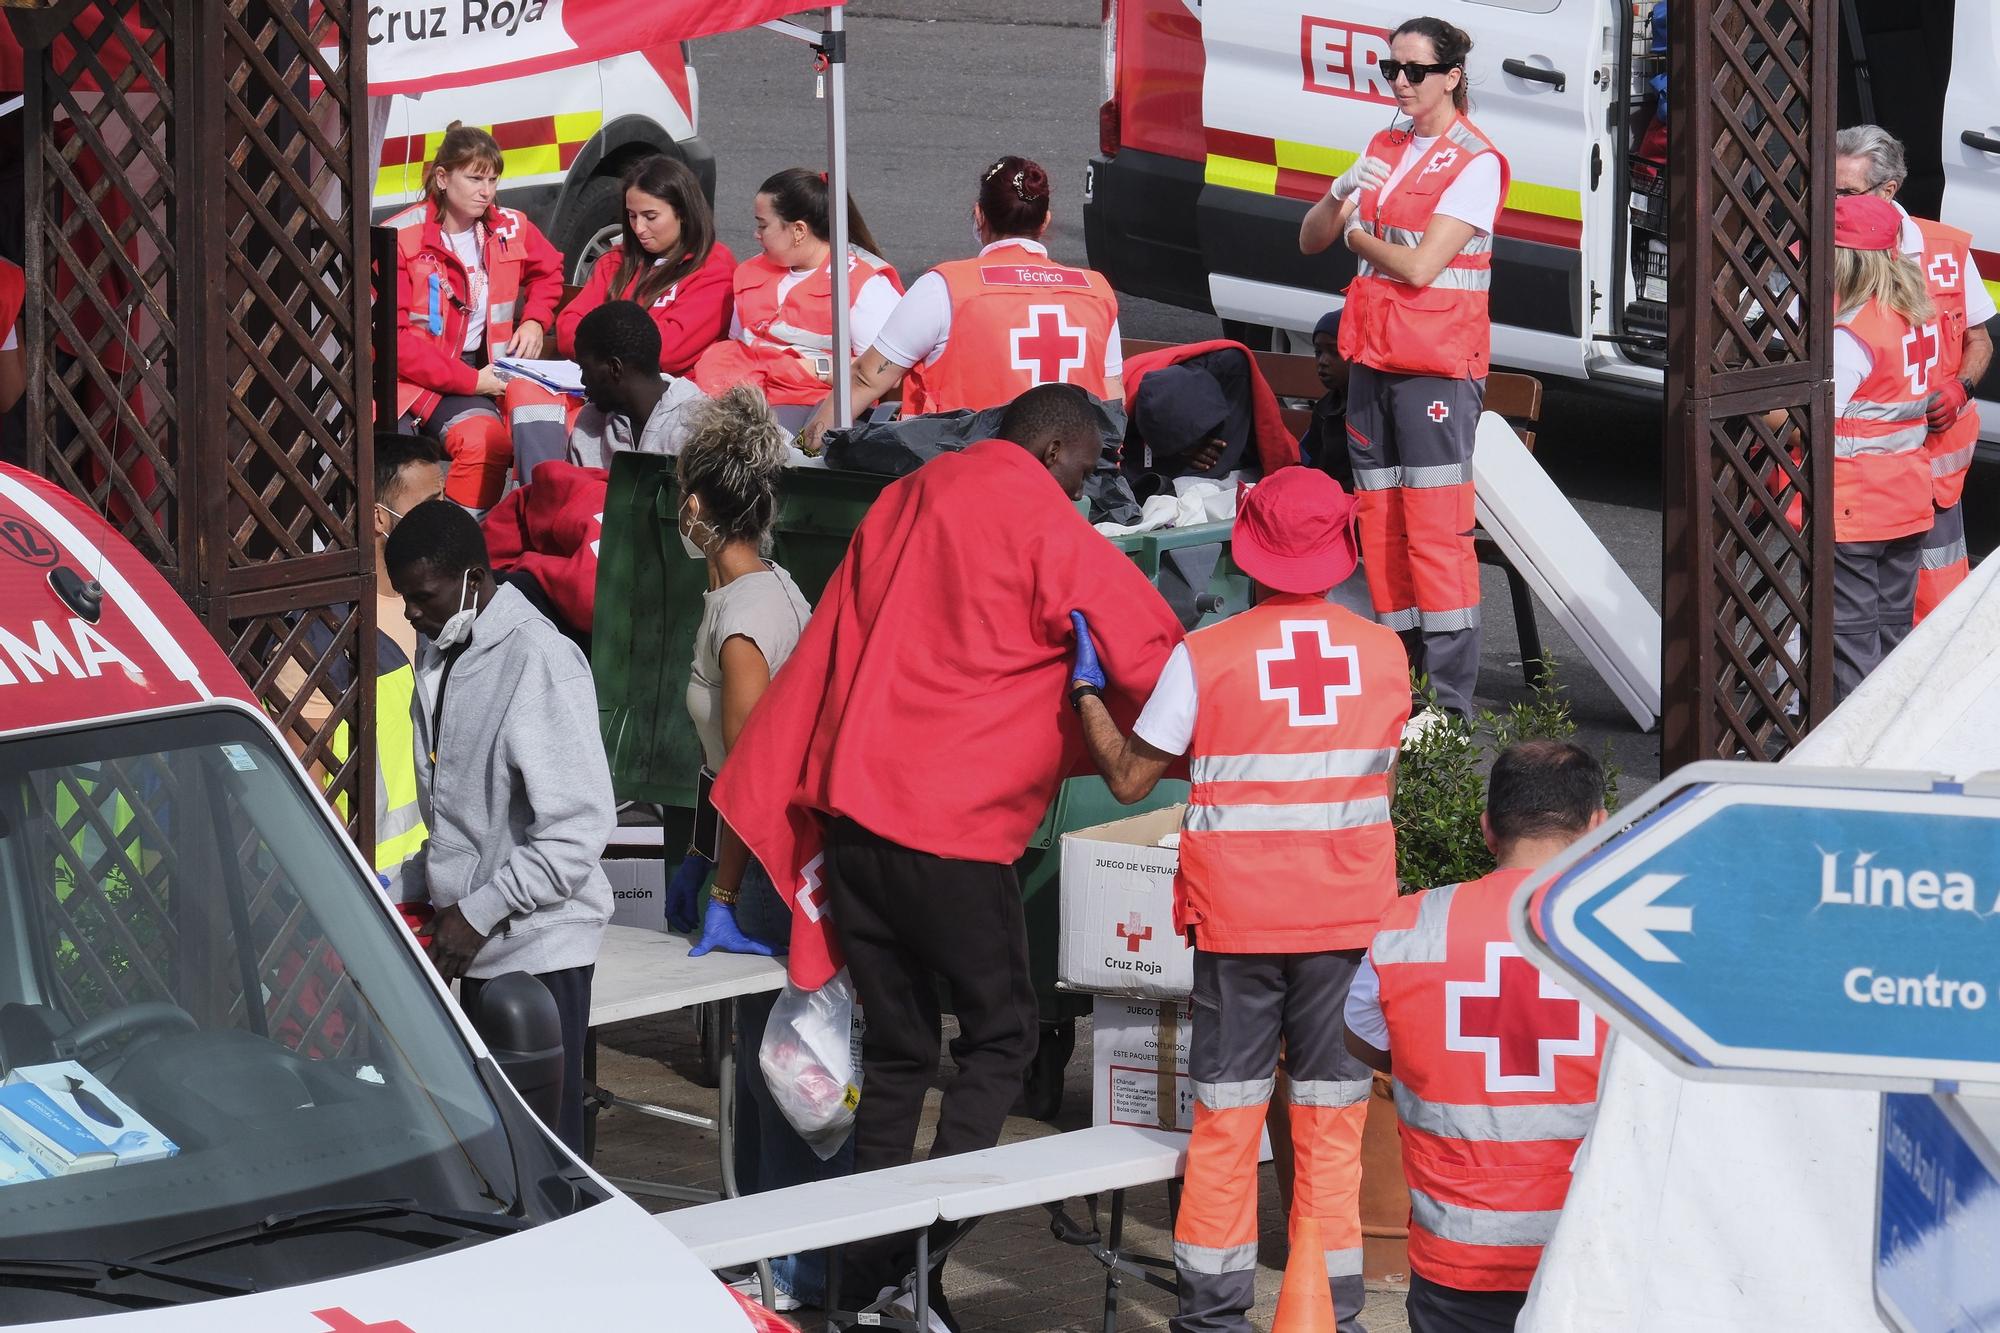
(1410,69)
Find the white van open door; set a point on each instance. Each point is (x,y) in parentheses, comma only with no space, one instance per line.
(1971,155)
(1291,96)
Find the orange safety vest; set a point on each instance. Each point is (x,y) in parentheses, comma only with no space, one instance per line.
(804,319)
(1286,844)
(1442,329)
(1947,261)
(1018,319)
(1495,1070)
(425,253)
(1881,473)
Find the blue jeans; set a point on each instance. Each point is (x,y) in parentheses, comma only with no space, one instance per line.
(769,1152)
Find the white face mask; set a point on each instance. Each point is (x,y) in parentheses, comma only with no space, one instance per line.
(458,629)
(688,542)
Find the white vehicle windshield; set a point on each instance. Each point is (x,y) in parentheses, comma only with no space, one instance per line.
(195,972)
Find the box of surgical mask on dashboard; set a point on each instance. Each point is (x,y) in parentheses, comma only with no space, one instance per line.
(67,1120)
(16,1167)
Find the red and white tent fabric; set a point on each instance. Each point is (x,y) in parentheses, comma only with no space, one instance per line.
(418,45)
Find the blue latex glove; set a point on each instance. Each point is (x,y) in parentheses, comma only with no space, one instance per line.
(1087,671)
(720,931)
(684,890)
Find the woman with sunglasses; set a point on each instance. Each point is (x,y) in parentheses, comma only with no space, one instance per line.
(1417,210)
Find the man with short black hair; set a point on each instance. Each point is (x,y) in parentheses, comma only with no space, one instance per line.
(629,403)
(1495,1064)
(513,780)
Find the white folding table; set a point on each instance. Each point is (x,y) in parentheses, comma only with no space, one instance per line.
(642,973)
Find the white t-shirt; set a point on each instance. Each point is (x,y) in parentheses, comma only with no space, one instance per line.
(1979,305)
(1167,721)
(465,244)
(1851,363)
(917,328)
(868,310)
(13,339)
(1363,1014)
(1473,198)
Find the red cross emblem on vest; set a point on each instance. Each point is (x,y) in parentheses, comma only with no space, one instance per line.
(1441,159)
(1944,270)
(1130,931)
(1048,347)
(1518,1019)
(339,1321)
(1920,355)
(1437,411)
(1308,672)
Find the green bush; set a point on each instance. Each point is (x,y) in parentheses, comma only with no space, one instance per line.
(1441,782)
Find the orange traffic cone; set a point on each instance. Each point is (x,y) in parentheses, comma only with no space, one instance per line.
(1305,1300)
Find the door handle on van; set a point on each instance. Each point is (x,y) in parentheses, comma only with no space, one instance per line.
(1984,143)
(1521,69)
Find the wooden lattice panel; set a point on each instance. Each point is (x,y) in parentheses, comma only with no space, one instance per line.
(1748,524)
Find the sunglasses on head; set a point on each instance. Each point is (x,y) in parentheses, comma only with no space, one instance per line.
(1410,69)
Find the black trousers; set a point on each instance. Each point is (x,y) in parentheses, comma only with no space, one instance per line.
(1439,1309)
(908,921)
(571,987)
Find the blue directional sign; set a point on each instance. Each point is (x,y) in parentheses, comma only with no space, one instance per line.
(1938,1215)
(1770,923)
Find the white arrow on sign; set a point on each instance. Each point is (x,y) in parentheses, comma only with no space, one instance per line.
(1634,914)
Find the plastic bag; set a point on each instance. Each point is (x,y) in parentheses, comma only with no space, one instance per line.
(811,1058)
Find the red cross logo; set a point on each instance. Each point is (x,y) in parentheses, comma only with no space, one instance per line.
(339,1321)
(1441,159)
(1944,271)
(1133,936)
(1920,356)
(810,884)
(1048,347)
(1308,672)
(1519,1019)
(1437,411)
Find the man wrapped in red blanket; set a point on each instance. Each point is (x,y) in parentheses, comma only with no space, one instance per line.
(903,757)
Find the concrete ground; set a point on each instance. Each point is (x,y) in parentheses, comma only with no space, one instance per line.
(1011,1275)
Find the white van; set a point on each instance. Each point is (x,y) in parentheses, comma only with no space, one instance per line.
(233,1096)
(1221,124)
(567,134)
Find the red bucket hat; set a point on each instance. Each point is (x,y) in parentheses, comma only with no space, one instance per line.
(1295,532)
(1865,222)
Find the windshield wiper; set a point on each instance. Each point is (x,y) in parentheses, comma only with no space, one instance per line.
(335,1216)
(113,1278)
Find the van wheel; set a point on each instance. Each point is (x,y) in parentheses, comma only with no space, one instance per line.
(593,225)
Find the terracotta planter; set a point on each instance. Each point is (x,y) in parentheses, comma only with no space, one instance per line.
(1385,1198)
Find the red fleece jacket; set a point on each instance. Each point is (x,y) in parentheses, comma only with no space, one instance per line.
(1276,446)
(550,529)
(691,314)
(927,700)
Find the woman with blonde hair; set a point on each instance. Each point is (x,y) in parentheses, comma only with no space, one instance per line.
(752,616)
(475,281)
(1885,357)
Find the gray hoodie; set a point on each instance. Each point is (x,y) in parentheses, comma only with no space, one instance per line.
(519,803)
(598,435)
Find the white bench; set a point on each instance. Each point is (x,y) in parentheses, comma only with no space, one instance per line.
(1036,1172)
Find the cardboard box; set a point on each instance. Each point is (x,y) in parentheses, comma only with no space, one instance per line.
(1138,1065)
(1118,909)
(638,877)
(67,1120)
(16,1167)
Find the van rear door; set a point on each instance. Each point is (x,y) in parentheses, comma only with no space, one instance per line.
(1971,154)
(1292,95)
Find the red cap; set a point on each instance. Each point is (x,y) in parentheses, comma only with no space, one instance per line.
(1295,532)
(1865,222)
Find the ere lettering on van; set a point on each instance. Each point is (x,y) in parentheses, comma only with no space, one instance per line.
(1339,59)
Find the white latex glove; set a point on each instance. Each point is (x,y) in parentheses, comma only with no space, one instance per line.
(1367,173)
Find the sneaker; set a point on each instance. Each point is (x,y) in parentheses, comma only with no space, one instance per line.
(752,1289)
(905,1307)
(1421,723)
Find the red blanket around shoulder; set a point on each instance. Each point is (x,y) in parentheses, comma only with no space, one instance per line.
(1276,446)
(927,700)
(550,529)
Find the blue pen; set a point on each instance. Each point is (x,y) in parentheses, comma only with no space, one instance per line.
(437,307)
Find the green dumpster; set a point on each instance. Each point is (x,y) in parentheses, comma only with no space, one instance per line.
(649,604)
